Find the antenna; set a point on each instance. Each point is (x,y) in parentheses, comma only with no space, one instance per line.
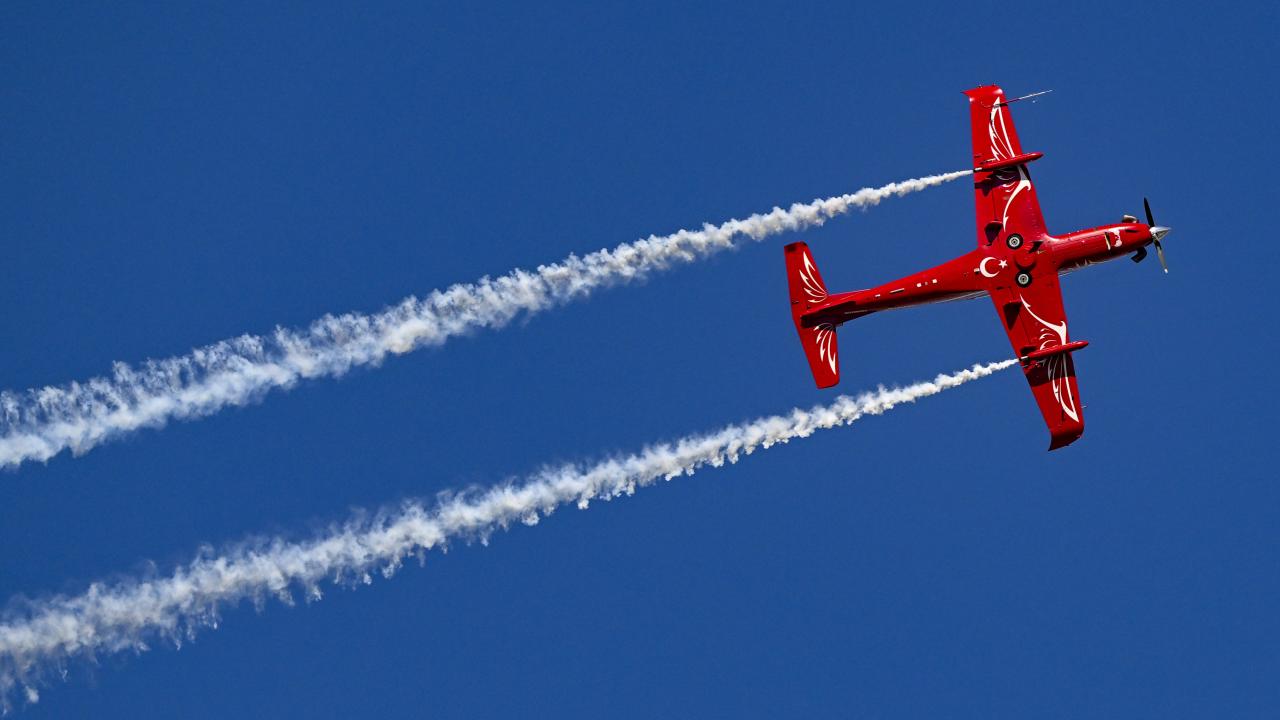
(1024,97)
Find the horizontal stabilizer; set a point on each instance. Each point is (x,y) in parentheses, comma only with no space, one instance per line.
(805,285)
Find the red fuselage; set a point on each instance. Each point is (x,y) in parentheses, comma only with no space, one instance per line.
(971,274)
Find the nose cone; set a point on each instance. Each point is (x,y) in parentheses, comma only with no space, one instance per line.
(1158,232)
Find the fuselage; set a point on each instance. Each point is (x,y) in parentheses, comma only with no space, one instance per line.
(975,273)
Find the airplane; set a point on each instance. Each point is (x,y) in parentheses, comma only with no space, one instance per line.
(1017,263)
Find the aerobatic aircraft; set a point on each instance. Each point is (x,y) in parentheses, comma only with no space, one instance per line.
(1017,262)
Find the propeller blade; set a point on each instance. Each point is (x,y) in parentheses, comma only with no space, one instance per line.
(1160,254)
(1147,206)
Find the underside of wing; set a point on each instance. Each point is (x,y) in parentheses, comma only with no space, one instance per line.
(1036,324)
(1004,196)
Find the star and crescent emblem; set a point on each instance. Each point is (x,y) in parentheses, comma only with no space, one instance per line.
(986,271)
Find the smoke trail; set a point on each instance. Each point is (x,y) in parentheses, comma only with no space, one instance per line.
(42,422)
(122,616)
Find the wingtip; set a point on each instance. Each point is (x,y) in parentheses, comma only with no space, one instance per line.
(1060,441)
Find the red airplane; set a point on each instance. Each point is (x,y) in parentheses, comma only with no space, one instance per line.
(1017,263)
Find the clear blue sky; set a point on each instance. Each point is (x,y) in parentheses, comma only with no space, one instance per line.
(173,177)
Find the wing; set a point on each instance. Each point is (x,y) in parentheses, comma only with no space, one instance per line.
(1003,193)
(1034,319)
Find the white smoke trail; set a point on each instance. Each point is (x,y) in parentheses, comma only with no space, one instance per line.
(39,423)
(123,616)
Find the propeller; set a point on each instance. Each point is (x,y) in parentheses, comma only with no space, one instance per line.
(1157,234)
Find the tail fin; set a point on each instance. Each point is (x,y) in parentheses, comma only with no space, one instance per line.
(807,289)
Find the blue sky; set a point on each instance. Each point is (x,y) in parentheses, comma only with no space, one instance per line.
(174,176)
